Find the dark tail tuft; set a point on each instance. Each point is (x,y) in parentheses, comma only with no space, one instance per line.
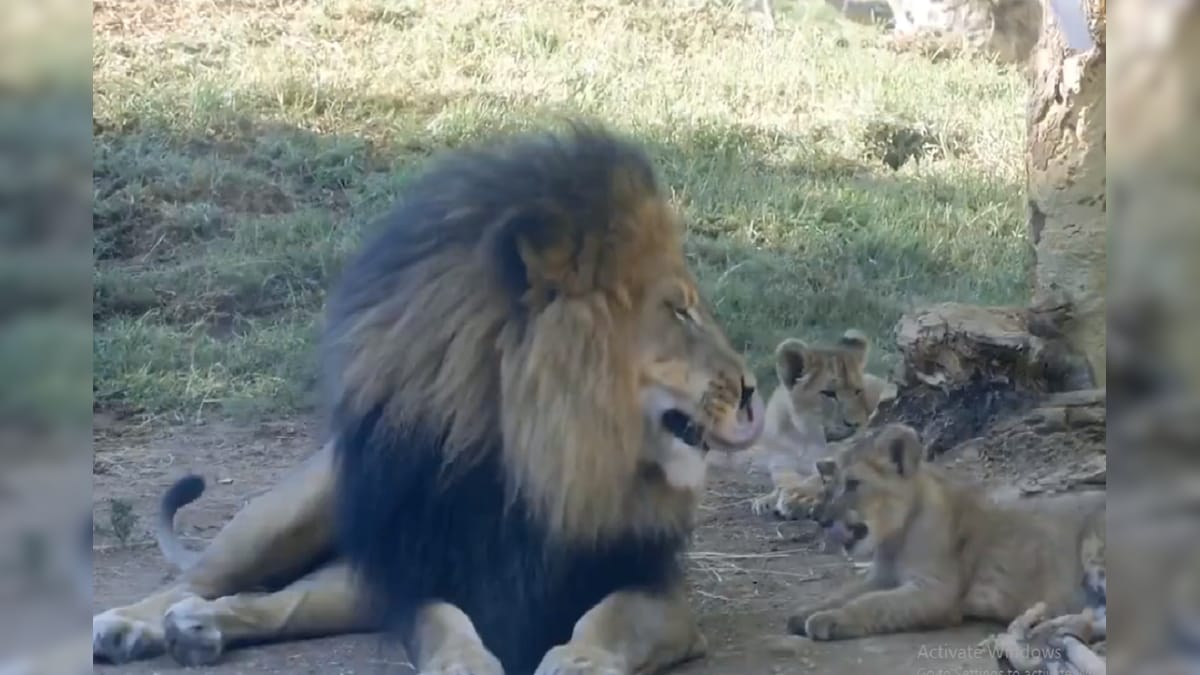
(185,491)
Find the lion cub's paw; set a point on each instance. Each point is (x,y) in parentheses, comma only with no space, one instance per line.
(466,659)
(788,503)
(577,659)
(192,635)
(119,639)
(764,504)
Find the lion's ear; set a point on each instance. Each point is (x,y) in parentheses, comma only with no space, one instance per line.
(789,361)
(904,448)
(535,250)
(856,343)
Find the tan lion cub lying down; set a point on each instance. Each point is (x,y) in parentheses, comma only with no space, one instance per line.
(825,395)
(943,551)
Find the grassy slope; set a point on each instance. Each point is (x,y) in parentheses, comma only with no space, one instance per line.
(241,146)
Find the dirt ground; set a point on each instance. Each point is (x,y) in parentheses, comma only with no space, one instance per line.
(748,572)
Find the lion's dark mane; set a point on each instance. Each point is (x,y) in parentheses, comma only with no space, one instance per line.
(417,532)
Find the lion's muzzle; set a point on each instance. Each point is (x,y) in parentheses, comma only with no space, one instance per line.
(741,430)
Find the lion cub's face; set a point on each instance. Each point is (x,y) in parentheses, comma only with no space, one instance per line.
(827,382)
(870,489)
(692,381)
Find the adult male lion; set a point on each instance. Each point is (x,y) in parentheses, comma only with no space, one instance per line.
(523,381)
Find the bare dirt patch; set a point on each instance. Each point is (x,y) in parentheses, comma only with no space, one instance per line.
(748,572)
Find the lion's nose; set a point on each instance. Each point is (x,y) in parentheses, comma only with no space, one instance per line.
(747,395)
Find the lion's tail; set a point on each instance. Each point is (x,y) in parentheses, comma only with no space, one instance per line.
(185,491)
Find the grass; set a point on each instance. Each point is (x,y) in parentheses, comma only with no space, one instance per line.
(242,145)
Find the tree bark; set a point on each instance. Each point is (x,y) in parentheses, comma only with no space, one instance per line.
(1065,168)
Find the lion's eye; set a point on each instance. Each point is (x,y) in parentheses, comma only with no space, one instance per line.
(851,484)
(830,393)
(684,314)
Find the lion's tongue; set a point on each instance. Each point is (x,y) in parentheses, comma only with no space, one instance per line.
(838,534)
(745,430)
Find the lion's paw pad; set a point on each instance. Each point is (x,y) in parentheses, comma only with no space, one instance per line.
(119,639)
(577,660)
(192,635)
(466,660)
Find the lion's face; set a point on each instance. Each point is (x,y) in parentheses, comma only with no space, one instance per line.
(691,380)
(533,300)
(827,382)
(870,489)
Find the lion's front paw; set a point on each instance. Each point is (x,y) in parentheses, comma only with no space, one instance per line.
(827,625)
(796,503)
(465,659)
(120,639)
(788,503)
(764,504)
(192,635)
(577,659)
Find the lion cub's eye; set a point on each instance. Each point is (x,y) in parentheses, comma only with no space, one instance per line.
(829,392)
(685,314)
(851,484)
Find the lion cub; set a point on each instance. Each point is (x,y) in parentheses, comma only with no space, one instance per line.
(942,551)
(824,395)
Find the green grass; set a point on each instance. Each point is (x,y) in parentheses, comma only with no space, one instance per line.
(241,146)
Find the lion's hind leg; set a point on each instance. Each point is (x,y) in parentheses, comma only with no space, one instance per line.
(326,602)
(277,536)
(135,631)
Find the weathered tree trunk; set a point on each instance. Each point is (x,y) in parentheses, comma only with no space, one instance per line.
(1065,165)
(969,372)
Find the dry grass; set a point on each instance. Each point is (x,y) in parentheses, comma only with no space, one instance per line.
(242,145)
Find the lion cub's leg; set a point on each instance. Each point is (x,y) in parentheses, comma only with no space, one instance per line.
(279,533)
(445,642)
(911,606)
(197,631)
(629,632)
(1091,553)
(836,599)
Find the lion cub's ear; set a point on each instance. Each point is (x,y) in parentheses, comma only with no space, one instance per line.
(856,343)
(826,469)
(903,448)
(790,361)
